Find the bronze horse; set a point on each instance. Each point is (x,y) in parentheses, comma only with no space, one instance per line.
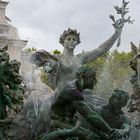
(135,80)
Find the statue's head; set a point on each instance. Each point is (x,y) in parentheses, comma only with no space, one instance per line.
(86,78)
(69,39)
(119,98)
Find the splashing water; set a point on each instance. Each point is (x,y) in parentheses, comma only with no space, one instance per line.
(104,88)
(105,85)
(34,116)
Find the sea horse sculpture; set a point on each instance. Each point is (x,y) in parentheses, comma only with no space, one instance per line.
(135,80)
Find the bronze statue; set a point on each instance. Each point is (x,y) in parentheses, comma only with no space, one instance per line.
(62,68)
(113,114)
(70,100)
(135,80)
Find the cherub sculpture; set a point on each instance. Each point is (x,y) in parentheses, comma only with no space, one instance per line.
(62,68)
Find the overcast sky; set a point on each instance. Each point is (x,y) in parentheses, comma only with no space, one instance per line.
(42,21)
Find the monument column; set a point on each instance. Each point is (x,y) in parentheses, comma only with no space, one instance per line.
(9,35)
(3,5)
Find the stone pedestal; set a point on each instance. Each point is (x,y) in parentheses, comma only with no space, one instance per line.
(3,5)
(14,47)
(9,35)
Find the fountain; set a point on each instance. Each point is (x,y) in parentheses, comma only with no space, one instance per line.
(35,118)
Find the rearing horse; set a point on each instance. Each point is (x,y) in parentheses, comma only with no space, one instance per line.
(135,80)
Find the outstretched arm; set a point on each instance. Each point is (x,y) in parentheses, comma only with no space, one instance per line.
(102,49)
(91,116)
(118,25)
(97,121)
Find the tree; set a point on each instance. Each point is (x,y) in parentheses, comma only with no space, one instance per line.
(32,49)
(113,72)
(56,51)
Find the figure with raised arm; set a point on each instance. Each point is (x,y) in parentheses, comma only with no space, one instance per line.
(62,68)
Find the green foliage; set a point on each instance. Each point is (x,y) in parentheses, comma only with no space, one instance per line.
(99,62)
(11,91)
(117,60)
(119,64)
(112,72)
(32,49)
(56,51)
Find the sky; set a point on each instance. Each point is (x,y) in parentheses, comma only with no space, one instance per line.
(42,21)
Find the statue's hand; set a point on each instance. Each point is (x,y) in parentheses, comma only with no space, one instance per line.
(119,27)
(122,11)
(116,134)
